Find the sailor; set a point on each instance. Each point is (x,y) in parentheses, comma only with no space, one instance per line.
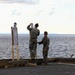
(34,33)
(45,41)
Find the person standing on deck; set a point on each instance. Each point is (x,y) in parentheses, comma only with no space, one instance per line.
(34,33)
(45,41)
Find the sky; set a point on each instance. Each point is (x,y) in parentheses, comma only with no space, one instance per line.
(54,16)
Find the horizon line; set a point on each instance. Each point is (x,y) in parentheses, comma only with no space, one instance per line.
(48,33)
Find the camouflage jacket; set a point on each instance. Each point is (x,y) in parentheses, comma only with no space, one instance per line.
(34,32)
(45,41)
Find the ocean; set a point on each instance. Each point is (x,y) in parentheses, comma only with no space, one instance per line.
(61,45)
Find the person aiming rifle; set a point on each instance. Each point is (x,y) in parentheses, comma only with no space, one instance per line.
(34,33)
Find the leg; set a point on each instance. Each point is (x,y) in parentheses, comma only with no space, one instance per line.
(45,54)
(31,49)
(35,47)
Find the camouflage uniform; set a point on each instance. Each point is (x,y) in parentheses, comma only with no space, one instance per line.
(34,32)
(45,41)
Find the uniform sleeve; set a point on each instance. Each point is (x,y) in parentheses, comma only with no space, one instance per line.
(48,42)
(41,42)
(29,28)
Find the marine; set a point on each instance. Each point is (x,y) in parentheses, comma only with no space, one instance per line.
(34,33)
(45,41)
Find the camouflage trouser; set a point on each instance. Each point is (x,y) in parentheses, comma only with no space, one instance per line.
(32,47)
(45,54)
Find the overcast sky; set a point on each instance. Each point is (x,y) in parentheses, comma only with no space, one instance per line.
(54,16)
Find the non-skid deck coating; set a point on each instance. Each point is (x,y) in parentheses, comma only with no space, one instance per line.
(50,69)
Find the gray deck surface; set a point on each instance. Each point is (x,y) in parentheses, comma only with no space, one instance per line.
(50,69)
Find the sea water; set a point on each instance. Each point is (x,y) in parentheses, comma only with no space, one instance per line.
(61,45)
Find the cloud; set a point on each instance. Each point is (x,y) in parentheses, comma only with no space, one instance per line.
(20,1)
(51,13)
(15,12)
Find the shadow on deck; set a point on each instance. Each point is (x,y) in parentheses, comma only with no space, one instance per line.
(28,62)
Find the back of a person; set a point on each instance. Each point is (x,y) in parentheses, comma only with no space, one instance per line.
(34,33)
